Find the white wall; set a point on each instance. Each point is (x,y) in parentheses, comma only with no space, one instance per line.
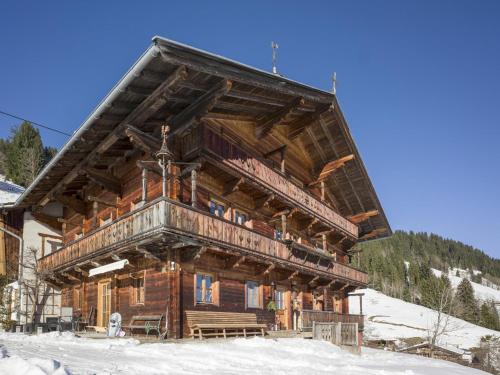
(33,240)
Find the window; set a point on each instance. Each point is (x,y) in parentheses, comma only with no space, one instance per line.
(138,289)
(78,298)
(253,295)
(205,289)
(240,218)
(279,299)
(278,235)
(217,208)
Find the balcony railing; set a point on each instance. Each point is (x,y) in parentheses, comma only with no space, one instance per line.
(171,217)
(234,158)
(308,316)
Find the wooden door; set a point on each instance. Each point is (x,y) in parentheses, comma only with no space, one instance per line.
(103,303)
(284,308)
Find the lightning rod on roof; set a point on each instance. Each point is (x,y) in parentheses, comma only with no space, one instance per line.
(275,47)
(334,83)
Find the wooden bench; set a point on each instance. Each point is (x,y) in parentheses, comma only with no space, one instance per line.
(146,323)
(223,324)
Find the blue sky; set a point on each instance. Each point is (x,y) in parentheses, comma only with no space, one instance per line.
(417,80)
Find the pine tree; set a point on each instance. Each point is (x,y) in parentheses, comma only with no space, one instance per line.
(23,154)
(486,317)
(467,308)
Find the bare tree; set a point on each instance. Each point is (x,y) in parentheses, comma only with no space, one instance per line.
(31,163)
(35,289)
(442,301)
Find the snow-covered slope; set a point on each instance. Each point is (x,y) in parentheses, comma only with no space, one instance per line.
(58,355)
(481,292)
(391,318)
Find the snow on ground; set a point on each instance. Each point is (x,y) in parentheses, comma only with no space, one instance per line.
(481,292)
(66,354)
(391,318)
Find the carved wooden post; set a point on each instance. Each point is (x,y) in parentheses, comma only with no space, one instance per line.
(323,240)
(282,154)
(193,188)
(144,185)
(283,226)
(322,184)
(168,181)
(164,180)
(95,210)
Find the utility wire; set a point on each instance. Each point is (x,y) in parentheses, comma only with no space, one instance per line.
(34,123)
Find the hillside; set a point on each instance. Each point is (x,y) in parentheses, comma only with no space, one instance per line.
(391,318)
(384,259)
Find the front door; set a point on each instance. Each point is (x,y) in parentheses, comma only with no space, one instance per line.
(103,303)
(283,308)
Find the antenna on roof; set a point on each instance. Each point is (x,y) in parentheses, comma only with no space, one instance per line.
(275,47)
(334,83)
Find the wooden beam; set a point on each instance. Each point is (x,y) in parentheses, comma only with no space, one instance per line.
(359,218)
(147,253)
(95,263)
(149,165)
(199,108)
(265,126)
(104,179)
(144,141)
(292,275)
(276,150)
(298,126)
(323,233)
(280,213)
(140,113)
(105,202)
(237,262)
(74,203)
(331,166)
(267,270)
(233,186)
(264,201)
(373,233)
(313,281)
(70,276)
(83,272)
(202,250)
(183,244)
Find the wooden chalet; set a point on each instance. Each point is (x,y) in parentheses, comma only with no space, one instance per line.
(202,184)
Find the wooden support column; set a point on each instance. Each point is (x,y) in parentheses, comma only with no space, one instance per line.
(169,181)
(324,243)
(282,161)
(193,188)
(95,210)
(174,290)
(283,226)
(144,185)
(322,187)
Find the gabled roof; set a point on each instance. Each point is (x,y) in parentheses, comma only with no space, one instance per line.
(254,94)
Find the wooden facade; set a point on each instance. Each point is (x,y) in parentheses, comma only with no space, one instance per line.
(249,202)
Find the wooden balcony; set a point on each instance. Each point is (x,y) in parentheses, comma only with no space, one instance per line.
(173,221)
(233,158)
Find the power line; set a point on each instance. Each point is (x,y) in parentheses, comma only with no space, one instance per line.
(34,123)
